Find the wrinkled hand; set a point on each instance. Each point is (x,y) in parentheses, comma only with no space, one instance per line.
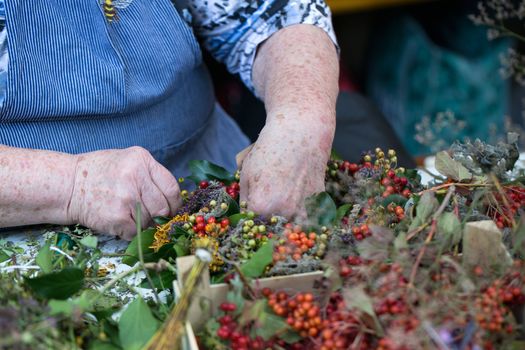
(109,183)
(280,171)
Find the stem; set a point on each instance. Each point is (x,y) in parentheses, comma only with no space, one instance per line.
(141,255)
(503,198)
(455,184)
(430,235)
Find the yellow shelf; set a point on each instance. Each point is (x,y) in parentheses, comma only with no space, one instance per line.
(338,6)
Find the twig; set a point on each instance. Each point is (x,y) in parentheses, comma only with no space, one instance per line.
(55,249)
(416,231)
(244,281)
(431,233)
(503,198)
(19,267)
(141,255)
(456,184)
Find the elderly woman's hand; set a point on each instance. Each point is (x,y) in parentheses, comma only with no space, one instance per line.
(108,184)
(295,73)
(285,165)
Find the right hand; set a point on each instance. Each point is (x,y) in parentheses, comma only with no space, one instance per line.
(109,183)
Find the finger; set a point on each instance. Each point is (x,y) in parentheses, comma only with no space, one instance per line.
(154,201)
(145,216)
(125,229)
(167,184)
(239,158)
(245,187)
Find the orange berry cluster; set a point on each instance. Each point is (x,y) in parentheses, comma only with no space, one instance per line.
(296,242)
(491,313)
(360,232)
(495,302)
(397,210)
(301,311)
(394,184)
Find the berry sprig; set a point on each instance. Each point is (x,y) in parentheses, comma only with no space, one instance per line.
(232,189)
(301,311)
(507,208)
(347,265)
(295,243)
(255,235)
(210,227)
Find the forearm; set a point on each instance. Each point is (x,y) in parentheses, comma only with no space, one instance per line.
(296,74)
(35,186)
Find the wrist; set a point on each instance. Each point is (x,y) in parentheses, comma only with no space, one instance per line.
(317,129)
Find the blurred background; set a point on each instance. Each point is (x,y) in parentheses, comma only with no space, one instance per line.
(415,75)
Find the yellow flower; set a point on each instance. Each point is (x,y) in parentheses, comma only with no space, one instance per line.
(161,236)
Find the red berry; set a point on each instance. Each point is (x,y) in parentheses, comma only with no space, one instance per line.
(204,184)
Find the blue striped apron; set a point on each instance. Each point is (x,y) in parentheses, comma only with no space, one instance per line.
(77,83)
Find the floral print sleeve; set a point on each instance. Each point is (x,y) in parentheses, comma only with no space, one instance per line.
(231,29)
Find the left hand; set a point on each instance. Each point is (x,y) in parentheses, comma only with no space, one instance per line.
(284,166)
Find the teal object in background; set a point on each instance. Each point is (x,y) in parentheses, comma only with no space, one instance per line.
(411,76)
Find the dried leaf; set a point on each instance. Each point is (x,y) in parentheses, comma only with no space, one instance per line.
(483,247)
(451,168)
(357,299)
(376,247)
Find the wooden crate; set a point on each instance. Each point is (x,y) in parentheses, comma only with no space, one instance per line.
(214,294)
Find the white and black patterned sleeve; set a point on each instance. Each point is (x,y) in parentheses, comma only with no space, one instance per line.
(231,29)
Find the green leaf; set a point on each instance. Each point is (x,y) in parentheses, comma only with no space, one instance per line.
(84,302)
(412,175)
(256,265)
(137,325)
(271,325)
(516,345)
(342,211)
(394,198)
(180,232)
(290,337)
(450,227)
(451,168)
(321,209)
(133,247)
(202,170)
(182,246)
(233,207)
(44,258)
(334,155)
(518,240)
(89,241)
(3,256)
(236,218)
(235,294)
(426,206)
(100,345)
(57,285)
(65,307)
(161,280)
(161,220)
